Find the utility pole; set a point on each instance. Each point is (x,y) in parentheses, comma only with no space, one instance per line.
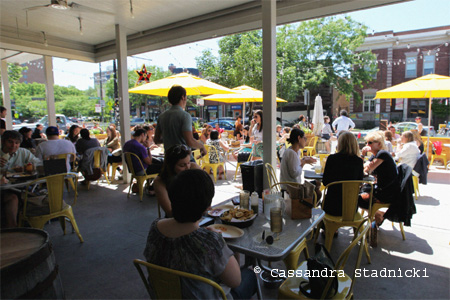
(116,96)
(101,89)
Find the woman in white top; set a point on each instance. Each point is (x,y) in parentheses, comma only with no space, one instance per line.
(327,133)
(256,134)
(409,153)
(291,164)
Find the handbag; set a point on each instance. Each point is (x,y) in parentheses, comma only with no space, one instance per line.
(302,200)
(321,269)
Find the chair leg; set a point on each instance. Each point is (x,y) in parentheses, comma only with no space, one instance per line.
(141,189)
(74,224)
(330,229)
(62,221)
(416,187)
(402,231)
(237,168)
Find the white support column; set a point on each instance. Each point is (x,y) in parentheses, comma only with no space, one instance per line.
(124,100)
(269,82)
(49,90)
(6,95)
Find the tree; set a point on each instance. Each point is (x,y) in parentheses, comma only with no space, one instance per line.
(309,54)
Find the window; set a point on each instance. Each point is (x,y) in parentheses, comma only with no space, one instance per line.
(411,67)
(418,108)
(367,68)
(369,102)
(428,64)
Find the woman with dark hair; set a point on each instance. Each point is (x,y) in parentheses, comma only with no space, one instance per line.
(238,131)
(205,133)
(256,134)
(27,141)
(291,165)
(74,133)
(346,164)
(112,143)
(85,142)
(181,244)
(176,159)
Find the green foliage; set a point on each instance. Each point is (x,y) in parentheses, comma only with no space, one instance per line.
(440,109)
(309,54)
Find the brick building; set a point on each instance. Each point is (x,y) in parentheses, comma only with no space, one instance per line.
(401,56)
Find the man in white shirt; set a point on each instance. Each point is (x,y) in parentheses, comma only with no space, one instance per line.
(343,123)
(54,146)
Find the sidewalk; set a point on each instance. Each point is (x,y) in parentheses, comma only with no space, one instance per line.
(115,231)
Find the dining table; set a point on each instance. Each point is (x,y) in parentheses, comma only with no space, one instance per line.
(253,245)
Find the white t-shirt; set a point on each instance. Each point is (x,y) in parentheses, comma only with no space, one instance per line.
(257,135)
(343,123)
(409,154)
(290,169)
(55,147)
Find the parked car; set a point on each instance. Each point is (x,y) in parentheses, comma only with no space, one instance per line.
(361,134)
(62,123)
(405,126)
(224,124)
(16,122)
(284,122)
(199,120)
(137,121)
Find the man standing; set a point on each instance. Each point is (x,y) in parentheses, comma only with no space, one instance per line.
(54,146)
(2,122)
(343,123)
(135,146)
(174,126)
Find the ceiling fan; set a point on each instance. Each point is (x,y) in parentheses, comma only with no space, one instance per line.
(64,5)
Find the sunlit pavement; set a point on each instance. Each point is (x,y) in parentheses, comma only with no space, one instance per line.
(115,230)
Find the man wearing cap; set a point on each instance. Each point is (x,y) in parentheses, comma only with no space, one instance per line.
(54,145)
(420,126)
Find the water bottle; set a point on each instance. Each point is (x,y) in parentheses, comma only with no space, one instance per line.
(254,202)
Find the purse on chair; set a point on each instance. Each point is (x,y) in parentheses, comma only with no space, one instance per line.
(321,269)
(302,200)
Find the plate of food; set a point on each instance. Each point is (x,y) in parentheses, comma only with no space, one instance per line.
(220,209)
(227,231)
(238,217)
(22,176)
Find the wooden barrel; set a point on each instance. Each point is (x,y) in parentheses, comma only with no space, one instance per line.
(28,266)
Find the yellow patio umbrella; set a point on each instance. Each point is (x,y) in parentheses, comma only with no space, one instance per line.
(243,94)
(428,86)
(193,85)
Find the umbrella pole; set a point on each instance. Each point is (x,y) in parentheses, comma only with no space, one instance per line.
(429,124)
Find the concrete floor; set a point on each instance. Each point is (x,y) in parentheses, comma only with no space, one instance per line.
(115,229)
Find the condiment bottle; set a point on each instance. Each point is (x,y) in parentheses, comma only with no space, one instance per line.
(254,202)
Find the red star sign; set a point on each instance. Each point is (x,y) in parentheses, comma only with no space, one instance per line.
(144,76)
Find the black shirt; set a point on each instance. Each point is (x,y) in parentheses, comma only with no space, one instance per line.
(388,186)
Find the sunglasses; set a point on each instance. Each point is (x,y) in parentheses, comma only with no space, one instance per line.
(371,142)
(177,150)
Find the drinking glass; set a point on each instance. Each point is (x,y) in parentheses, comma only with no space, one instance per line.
(276,219)
(244,197)
(318,169)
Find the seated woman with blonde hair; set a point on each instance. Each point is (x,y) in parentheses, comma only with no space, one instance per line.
(346,164)
(383,167)
(409,153)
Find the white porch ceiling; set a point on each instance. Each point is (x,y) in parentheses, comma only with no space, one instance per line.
(154,24)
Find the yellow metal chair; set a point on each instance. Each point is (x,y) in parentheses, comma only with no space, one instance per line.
(416,186)
(114,167)
(73,181)
(272,176)
(290,288)
(207,165)
(441,156)
(350,216)
(376,207)
(97,157)
(197,156)
(141,179)
(291,261)
(165,283)
(238,164)
(37,214)
(311,148)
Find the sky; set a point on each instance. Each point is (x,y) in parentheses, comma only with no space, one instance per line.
(411,15)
